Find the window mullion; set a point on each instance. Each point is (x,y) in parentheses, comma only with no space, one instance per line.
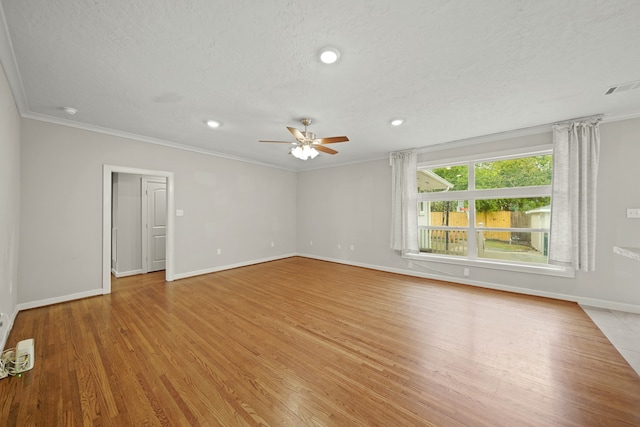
(472,240)
(472,246)
(494,193)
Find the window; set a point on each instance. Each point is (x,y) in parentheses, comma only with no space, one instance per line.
(491,209)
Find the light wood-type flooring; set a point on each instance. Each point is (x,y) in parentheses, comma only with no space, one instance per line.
(301,342)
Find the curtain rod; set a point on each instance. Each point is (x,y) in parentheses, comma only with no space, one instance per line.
(505,134)
(579,119)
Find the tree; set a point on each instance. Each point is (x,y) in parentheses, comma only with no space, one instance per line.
(519,172)
(456,175)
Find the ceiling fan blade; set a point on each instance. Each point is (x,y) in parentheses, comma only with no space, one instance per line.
(299,136)
(324,149)
(278,142)
(331,140)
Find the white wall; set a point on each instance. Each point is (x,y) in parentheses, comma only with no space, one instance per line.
(346,206)
(235,206)
(351,205)
(10,206)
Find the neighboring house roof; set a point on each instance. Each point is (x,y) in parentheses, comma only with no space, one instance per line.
(543,209)
(429,181)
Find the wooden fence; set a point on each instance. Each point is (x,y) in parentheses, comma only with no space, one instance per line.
(499,219)
(455,242)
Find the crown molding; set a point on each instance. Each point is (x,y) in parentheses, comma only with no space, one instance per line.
(142,138)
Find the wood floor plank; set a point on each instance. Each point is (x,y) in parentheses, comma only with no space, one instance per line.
(306,342)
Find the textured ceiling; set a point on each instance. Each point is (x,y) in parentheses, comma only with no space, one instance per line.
(453,70)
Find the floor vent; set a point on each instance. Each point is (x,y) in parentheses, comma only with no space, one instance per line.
(623,87)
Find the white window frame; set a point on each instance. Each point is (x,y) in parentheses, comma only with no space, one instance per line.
(471,195)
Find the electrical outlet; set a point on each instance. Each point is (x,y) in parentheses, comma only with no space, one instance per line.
(339,246)
(310,242)
(466,272)
(219,251)
(353,248)
(273,244)
(633,213)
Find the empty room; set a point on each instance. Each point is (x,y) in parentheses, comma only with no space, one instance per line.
(367,213)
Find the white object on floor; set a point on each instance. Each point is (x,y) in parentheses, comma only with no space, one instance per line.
(24,355)
(622,329)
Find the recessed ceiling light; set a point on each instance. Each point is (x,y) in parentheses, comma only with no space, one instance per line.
(213,124)
(329,55)
(69,110)
(397,122)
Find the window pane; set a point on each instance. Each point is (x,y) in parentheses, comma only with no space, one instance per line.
(444,242)
(514,246)
(521,172)
(514,214)
(523,212)
(450,178)
(450,213)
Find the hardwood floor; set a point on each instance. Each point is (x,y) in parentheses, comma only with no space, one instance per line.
(303,342)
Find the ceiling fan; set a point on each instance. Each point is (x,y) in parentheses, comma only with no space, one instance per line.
(307,145)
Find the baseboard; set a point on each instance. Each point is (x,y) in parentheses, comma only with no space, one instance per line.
(611,305)
(584,301)
(96,292)
(57,300)
(230,266)
(7,331)
(118,275)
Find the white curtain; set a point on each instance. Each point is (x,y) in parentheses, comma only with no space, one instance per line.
(404,199)
(576,147)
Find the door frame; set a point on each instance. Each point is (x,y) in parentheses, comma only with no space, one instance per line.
(144,217)
(108,171)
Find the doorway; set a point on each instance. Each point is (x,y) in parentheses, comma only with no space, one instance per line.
(108,172)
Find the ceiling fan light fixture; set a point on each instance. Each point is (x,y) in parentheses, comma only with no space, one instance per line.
(312,152)
(329,55)
(304,152)
(213,124)
(307,145)
(397,122)
(298,154)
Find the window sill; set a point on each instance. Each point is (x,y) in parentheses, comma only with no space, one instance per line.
(547,270)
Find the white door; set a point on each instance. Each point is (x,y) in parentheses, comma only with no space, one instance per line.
(156,196)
